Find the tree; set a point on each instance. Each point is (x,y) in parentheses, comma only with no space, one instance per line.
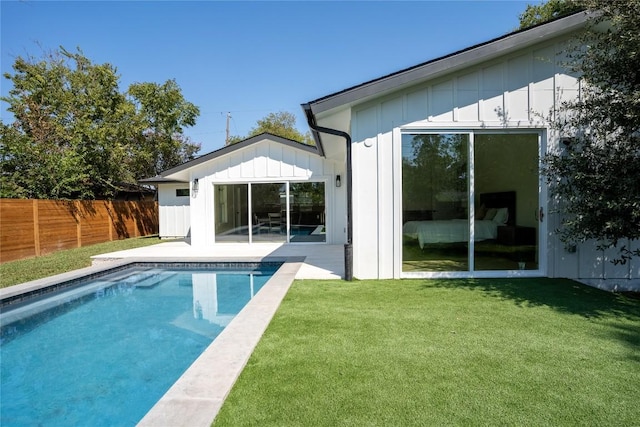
(75,135)
(595,175)
(281,124)
(552,9)
(63,120)
(162,114)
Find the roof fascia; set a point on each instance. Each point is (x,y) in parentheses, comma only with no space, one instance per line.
(311,121)
(161,180)
(439,66)
(235,147)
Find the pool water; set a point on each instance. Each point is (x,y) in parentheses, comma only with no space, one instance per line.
(102,354)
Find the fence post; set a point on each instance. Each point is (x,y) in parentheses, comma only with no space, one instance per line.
(110,215)
(136,219)
(76,216)
(36,228)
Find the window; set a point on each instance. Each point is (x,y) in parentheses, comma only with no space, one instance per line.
(270,212)
(470,201)
(182,192)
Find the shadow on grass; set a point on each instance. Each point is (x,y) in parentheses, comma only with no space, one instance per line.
(563,295)
(560,294)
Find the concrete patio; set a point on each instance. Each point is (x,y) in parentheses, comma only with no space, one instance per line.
(320,261)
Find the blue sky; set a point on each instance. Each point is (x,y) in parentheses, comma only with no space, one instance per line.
(250,58)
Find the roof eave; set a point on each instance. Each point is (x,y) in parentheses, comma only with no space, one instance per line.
(161,180)
(439,66)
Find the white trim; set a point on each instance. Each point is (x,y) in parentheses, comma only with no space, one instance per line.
(543,202)
(478,274)
(471,192)
(397,202)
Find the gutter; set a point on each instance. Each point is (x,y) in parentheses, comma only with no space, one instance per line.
(316,130)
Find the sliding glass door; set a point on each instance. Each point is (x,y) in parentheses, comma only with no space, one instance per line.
(269,212)
(434,197)
(470,202)
(506,181)
(277,212)
(307,212)
(231,213)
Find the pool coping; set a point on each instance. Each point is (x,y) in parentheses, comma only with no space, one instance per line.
(197,396)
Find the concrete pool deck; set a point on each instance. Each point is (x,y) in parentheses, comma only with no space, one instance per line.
(320,261)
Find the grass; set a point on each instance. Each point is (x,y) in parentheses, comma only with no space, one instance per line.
(20,271)
(541,352)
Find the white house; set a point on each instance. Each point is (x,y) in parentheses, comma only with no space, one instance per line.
(263,189)
(432,171)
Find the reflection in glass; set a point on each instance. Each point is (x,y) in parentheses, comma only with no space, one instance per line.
(231,212)
(307,212)
(269,212)
(434,196)
(506,177)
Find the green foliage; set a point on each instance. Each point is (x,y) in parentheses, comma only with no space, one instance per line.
(432,165)
(76,136)
(595,177)
(547,11)
(163,112)
(281,124)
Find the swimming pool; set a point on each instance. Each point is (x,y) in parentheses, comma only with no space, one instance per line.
(103,353)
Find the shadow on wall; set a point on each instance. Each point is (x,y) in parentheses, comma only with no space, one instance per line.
(128,218)
(134,219)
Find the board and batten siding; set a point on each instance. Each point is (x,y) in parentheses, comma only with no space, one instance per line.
(265,161)
(514,92)
(173,211)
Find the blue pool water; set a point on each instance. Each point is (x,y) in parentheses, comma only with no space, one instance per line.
(103,353)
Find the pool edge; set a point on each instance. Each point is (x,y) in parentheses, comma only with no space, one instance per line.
(197,396)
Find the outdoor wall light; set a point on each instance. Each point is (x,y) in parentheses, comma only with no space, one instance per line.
(338,181)
(195,184)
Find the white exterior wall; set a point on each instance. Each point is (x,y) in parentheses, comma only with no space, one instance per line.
(515,92)
(173,212)
(266,161)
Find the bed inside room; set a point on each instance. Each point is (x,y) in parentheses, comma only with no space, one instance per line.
(442,244)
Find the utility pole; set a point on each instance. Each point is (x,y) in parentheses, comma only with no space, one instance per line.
(226,141)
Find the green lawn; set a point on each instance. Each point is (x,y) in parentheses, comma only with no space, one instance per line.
(14,272)
(523,352)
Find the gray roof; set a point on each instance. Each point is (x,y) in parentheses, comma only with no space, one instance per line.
(446,64)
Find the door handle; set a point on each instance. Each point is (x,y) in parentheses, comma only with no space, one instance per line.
(539,214)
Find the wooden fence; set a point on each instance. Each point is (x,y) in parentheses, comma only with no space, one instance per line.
(37,227)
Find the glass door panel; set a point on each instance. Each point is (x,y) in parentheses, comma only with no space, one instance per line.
(231,212)
(269,215)
(435,197)
(307,212)
(506,181)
